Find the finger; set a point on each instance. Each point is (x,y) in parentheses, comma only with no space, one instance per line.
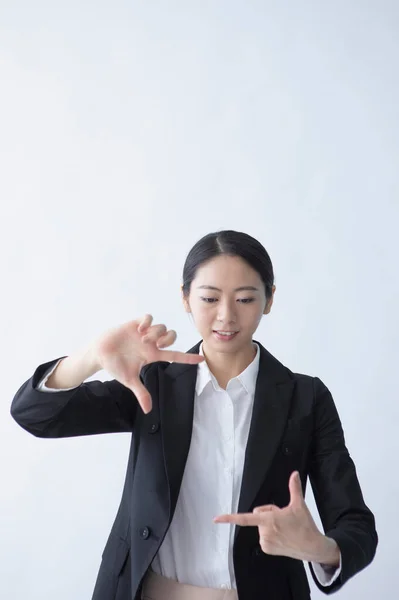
(144,323)
(141,393)
(167,340)
(182,357)
(243,519)
(154,332)
(295,487)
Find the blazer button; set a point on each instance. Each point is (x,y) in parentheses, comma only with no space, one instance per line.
(287,451)
(145,533)
(257,551)
(154,427)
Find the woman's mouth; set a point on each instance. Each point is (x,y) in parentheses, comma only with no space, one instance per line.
(225,336)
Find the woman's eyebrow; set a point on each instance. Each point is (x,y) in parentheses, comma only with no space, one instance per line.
(246,288)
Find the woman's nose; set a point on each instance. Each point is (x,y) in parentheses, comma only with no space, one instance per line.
(226,313)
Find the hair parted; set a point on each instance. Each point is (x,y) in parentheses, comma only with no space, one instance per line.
(231,243)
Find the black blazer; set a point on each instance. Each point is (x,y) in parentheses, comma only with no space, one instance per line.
(295,426)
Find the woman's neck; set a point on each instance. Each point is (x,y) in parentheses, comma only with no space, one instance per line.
(225,366)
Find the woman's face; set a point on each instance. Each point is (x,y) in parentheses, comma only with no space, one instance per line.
(227,300)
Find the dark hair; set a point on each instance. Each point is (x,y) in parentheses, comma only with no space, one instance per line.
(232,243)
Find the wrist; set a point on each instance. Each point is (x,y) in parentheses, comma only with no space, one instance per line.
(326,552)
(91,358)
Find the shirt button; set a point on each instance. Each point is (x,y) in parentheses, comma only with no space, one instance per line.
(224,586)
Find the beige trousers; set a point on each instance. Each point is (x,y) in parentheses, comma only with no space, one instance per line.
(157,587)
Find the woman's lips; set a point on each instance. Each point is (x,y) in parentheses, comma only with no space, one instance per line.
(225,338)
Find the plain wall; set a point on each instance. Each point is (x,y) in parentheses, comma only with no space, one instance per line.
(128,131)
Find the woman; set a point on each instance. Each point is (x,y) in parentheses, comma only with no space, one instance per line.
(224,438)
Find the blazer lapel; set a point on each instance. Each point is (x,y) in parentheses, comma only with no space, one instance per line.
(177,393)
(273,393)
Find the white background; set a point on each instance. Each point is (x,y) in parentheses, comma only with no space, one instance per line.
(128,131)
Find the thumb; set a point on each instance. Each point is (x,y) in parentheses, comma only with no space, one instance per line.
(143,396)
(295,487)
(262,509)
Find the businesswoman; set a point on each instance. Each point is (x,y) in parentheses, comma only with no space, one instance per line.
(224,439)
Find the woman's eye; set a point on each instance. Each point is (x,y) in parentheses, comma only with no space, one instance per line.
(241,300)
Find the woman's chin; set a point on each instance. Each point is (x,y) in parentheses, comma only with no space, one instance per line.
(234,343)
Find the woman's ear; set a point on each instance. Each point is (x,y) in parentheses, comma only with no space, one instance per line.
(185,301)
(269,303)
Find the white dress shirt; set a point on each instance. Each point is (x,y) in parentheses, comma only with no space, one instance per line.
(196,550)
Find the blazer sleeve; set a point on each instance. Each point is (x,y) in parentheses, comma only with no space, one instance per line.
(91,408)
(339,499)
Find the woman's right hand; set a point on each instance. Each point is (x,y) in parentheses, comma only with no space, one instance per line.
(125,350)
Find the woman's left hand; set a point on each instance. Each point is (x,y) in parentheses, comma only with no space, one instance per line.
(289,531)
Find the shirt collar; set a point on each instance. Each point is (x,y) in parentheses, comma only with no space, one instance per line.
(247,378)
